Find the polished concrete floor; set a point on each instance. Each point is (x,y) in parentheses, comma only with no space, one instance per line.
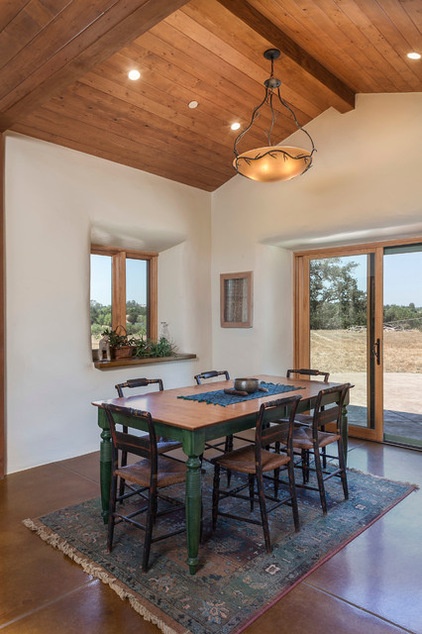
(372,586)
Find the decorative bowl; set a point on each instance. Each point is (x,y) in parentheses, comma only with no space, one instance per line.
(246,385)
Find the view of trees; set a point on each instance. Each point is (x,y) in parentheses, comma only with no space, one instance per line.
(136,316)
(403,317)
(336,302)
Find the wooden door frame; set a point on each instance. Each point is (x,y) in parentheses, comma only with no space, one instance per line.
(301,313)
(2,313)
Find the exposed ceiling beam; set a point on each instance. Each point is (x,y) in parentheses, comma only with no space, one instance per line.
(266,29)
(114,28)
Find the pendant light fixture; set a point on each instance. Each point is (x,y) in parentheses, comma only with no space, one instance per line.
(272,162)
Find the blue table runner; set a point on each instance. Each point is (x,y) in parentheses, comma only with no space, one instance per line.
(219,397)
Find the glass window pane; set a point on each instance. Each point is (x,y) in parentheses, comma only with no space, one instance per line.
(338,325)
(403,345)
(100,306)
(136,297)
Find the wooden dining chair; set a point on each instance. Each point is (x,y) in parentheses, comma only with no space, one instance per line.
(308,372)
(164,445)
(139,382)
(211,374)
(306,418)
(224,444)
(312,440)
(145,480)
(256,461)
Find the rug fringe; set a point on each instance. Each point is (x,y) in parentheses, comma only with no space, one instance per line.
(416,487)
(100,573)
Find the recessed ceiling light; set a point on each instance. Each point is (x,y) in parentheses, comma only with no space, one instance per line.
(134,74)
(193,104)
(235,126)
(414,55)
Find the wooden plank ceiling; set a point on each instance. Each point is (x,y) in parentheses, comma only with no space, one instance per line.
(64,64)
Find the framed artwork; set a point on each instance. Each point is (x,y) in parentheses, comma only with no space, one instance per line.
(236,300)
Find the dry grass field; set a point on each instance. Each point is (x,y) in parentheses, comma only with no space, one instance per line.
(345,350)
(343,354)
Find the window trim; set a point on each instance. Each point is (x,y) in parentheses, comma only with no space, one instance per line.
(118,284)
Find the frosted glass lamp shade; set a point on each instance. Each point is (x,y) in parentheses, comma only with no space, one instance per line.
(273,163)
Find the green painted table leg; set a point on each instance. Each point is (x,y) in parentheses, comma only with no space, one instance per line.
(193,510)
(105,472)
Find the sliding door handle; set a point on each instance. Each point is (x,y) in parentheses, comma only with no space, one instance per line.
(376,351)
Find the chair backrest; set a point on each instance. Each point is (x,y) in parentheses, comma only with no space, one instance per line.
(309,372)
(120,420)
(211,374)
(329,406)
(274,419)
(142,382)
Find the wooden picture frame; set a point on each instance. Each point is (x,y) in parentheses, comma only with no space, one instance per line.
(236,300)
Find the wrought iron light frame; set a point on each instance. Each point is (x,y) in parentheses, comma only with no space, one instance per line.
(272,162)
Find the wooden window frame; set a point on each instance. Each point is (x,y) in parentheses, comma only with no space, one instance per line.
(118,284)
(244,300)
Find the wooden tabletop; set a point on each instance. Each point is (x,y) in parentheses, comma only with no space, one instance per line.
(166,407)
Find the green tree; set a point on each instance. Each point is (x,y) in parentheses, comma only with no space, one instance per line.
(403,317)
(336,302)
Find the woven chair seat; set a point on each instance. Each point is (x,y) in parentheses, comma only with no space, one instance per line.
(243,460)
(302,438)
(169,472)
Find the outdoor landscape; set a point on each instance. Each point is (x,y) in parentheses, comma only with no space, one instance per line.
(338,321)
(402,350)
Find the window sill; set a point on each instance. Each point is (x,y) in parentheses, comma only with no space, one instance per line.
(135,361)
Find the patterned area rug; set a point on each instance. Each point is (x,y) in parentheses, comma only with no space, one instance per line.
(237,580)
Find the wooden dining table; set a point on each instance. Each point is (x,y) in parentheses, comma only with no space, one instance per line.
(193,423)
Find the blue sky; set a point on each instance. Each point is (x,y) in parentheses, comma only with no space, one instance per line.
(101,280)
(402,278)
(402,275)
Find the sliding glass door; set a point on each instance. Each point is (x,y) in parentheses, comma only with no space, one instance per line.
(403,345)
(346,327)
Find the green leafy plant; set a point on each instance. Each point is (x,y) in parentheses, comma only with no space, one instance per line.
(118,338)
(161,348)
(142,348)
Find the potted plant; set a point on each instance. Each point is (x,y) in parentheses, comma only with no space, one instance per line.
(121,344)
(148,348)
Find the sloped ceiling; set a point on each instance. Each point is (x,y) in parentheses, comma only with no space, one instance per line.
(64,65)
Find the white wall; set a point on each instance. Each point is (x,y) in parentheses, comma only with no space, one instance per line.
(55,199)
(365,185)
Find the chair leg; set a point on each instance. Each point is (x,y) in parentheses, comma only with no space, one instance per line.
(264,515)
(305,465)
(215,495)
(342,465)
(251,480)
(276,471)
(292,489)
(112,509)
(122,484)
(150,519)
(324,457)
(276,482)
(320,478)
(228,446)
